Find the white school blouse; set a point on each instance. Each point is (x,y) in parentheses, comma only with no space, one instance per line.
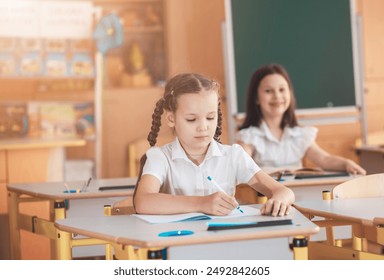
(228,165)
(271,153)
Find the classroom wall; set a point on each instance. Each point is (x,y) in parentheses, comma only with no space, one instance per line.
(373,30)
(194,43)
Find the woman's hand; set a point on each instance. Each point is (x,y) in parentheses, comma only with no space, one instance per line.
(218,204)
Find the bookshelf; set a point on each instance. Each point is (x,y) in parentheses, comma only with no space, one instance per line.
(47,72)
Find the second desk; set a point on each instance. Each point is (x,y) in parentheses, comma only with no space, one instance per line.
(84,204)
(304,189)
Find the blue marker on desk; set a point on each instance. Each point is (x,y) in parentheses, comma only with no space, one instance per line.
(220,189)
(175,233)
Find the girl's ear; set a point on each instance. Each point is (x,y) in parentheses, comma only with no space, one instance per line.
(170,119)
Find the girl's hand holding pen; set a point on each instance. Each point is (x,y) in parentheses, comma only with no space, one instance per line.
(221,190)
(218,203)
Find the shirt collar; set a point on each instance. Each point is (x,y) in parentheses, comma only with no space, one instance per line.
(267,132)
(288,132)
(178,151)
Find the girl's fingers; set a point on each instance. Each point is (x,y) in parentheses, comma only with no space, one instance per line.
(275,208)
(283,209)
(268,207)
(288,210)
(228,202)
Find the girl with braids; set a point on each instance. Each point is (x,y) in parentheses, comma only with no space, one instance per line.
(173,178)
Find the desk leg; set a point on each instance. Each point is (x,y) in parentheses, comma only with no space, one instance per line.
(108,247)
(156,253)
(59,207)
(14,232)
(300,248)
(64,245)
(60,251)
(359,243)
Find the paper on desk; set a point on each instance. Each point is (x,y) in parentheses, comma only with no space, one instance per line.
(159,219)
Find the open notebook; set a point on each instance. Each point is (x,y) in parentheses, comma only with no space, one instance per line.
(158,219)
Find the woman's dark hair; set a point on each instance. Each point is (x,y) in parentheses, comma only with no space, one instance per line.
(253,112)
(174,88)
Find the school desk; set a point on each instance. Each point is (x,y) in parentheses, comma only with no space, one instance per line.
(132,238)
(87,204)
(304,189)
(366,215)
(371,158)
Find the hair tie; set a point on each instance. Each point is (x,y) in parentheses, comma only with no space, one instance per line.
(172,92)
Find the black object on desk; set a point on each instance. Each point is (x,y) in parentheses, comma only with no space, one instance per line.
(223,226)
(107,188)
(321,175)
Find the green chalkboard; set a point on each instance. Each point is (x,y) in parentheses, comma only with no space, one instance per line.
(311,38)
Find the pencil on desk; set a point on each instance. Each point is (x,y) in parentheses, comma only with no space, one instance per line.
(86,185)
(89,182)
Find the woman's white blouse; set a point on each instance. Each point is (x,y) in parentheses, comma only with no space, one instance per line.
(271,152)
(228,165)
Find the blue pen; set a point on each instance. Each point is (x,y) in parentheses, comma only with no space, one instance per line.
(220,189)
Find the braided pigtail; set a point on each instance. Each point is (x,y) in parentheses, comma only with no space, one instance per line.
(156,122)
(152,138)
(143,159)
(219,128)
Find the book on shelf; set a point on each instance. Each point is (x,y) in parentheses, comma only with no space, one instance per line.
(61,119)
(57,119)
(195,216)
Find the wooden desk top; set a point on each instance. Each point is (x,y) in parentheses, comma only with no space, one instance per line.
(29,143)
(367,211)
(55,190)
(130,230)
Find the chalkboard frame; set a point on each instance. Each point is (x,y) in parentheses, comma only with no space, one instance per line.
(232,79)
